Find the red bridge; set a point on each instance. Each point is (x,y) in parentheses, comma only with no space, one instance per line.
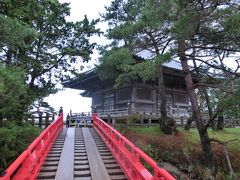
(98,153)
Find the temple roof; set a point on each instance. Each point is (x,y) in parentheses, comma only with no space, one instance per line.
(173,64)
(89,80)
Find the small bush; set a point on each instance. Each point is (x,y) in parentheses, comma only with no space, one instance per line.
(14,140)
(134,118)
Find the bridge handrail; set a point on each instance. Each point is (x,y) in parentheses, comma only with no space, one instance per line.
(28,164)
(128,155)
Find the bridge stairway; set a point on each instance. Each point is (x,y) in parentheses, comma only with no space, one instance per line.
(50,165)
(80,153)
(109,161)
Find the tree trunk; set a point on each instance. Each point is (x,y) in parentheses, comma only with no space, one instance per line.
(220,123)
(203,134)
(167,124)
(162,94)
(1,120)
(188,124)
(203,92)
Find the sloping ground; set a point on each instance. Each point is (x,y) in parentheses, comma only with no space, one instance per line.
(183,150)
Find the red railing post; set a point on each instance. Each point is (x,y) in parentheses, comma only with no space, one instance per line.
(135,156)
(94,118)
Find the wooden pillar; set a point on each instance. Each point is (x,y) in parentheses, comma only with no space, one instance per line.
(177,110)
(33,120)
(182,121)
(46,120)
(129,111)
(40,119)
(234,122)
(53,117)
(154,95)
(149,121)
(173,97)
(133,98)
(115,100)
(141,119)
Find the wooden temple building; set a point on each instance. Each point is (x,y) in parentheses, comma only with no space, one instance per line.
(139,97)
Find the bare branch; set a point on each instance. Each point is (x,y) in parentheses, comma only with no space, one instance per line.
(226,153)
(213,48)
(217,67)
(197,85)
(222,142)
(211,119)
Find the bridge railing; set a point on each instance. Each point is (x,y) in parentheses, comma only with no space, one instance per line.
(28,164)
(132,160)
(115,113)
(81,118)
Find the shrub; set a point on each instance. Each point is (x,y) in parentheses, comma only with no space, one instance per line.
(14,140)
(183,154)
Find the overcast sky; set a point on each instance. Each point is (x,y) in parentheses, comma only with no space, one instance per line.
(69,98)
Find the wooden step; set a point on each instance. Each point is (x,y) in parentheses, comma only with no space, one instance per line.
(80,158)
(109,161)
(49,168)
(107,157)
(118,177)
(105,153)
(83,173)
(46,175)
(81,162)
(115,171)
(54,155)
(80,154)
(52,158)
(80,151)
(81,167)
(82,178)
(112,166)
(50,163)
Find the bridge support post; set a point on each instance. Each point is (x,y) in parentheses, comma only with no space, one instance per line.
(40,119)
(46,120)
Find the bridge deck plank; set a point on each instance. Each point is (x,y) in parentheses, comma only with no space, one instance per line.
(97,167)
(66,162)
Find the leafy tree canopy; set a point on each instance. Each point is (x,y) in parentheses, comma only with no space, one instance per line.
(13,90)
(35,36)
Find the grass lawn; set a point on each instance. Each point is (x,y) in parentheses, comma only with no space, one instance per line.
(192,135)
(225,135)
(151,131)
